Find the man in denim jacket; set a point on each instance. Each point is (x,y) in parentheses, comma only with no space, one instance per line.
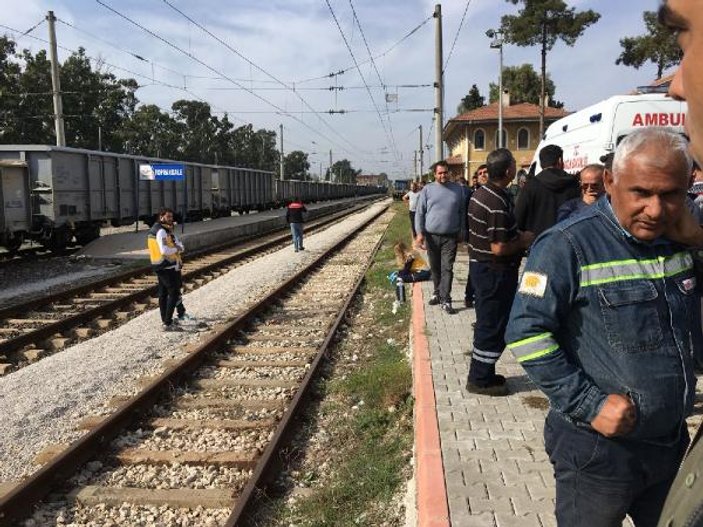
(604,324)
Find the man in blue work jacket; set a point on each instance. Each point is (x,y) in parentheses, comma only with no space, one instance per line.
(604,324)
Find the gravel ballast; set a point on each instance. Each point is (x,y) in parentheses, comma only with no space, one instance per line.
(42,404)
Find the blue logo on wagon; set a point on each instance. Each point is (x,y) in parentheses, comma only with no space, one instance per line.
(161,172)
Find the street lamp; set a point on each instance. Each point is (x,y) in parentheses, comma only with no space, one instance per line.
(497,43)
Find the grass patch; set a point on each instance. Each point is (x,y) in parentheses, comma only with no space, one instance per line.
(362,461)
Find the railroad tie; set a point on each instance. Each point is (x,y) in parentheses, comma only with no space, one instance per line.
(175,498)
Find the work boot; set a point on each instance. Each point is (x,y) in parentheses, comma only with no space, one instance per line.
(495,387)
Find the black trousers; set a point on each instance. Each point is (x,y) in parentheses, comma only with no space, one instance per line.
(412,223)
(441,252)
(169,294)
(494,288)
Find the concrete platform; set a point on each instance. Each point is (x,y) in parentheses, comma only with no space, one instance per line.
(202,234)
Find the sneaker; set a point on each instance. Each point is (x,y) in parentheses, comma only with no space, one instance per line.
(496,387)
(171,328)
(448,309)
(468,303)
(434,300)
(185,317)
(302,248)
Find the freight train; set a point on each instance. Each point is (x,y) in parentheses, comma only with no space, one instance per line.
(51,195)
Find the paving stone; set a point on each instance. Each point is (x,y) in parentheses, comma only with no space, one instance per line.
(520,453)
(484,519)
(525,505)
(509,520)
(499,490)
(495,505)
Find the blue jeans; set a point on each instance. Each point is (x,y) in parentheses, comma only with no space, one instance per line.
(600,480)
(296,230)
(494,290)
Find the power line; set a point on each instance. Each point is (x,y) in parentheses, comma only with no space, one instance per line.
(134,73)
(456,36)
(378,74)
(363,79)
(253,64)
(345,70)
(327,88)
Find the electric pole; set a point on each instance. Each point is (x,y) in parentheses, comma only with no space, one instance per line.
(415,164)
(331,165)
(281,163)
(422,157)
(56,82)
(439,85)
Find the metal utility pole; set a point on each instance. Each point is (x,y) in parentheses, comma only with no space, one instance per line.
(439,85)
(422,157)
(56,82)
(415,165)
(281,163)
(331,165)
(497,43)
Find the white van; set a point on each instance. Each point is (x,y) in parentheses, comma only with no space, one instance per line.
(588,134)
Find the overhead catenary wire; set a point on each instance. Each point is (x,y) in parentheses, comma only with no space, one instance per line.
(363,79)
(378,74)
(456,36)
(134,73)
(199,61)
(379,56)
(265,72)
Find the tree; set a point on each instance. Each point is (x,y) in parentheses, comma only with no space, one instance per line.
(342,172)
(472,101)
(543,22)
(151,132)
(524,85)
(296,165)
(658,46)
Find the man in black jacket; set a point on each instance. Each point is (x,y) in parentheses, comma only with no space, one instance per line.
(536,208)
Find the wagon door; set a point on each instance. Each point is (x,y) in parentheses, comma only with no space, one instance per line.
(15,215)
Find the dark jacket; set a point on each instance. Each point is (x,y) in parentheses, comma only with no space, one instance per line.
(541,197)
(600,312)
(294,212)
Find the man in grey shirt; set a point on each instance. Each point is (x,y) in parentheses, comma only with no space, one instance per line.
(439,221)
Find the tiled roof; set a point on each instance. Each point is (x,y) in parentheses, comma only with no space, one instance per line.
(515,111)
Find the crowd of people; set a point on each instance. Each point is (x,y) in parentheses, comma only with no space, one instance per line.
(592,281)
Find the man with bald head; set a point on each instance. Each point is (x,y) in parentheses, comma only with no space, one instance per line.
(603,323)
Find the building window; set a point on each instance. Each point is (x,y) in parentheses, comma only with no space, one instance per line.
(479,139)
(523,139)
(505,139)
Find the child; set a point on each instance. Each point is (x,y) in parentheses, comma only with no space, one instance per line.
(413,267)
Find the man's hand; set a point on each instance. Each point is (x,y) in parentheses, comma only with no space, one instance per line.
(526,239)
(685,230)
(617,417)
(420,241)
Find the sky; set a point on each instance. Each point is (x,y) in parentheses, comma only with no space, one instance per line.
(267,62)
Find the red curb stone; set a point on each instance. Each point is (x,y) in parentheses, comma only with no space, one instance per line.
(432,506)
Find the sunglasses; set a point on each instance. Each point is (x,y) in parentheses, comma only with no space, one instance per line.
(591,186)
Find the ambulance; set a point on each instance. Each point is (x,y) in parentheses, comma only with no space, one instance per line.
(588,134)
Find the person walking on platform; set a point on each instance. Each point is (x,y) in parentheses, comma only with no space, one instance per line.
(165,252)
(411,199)
(541,197)
(439,220)
(496,248)
(604,324)
(294,216)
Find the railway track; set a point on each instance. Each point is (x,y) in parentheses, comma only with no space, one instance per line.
(197,444)
(38,328)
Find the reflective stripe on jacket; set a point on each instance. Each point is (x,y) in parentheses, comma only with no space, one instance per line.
(160,261)
(598,312)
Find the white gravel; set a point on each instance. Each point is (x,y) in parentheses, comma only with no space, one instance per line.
(41,404)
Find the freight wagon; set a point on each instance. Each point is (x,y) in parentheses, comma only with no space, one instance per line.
(51,195)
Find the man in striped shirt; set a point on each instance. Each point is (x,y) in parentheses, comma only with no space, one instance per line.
(496,249)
